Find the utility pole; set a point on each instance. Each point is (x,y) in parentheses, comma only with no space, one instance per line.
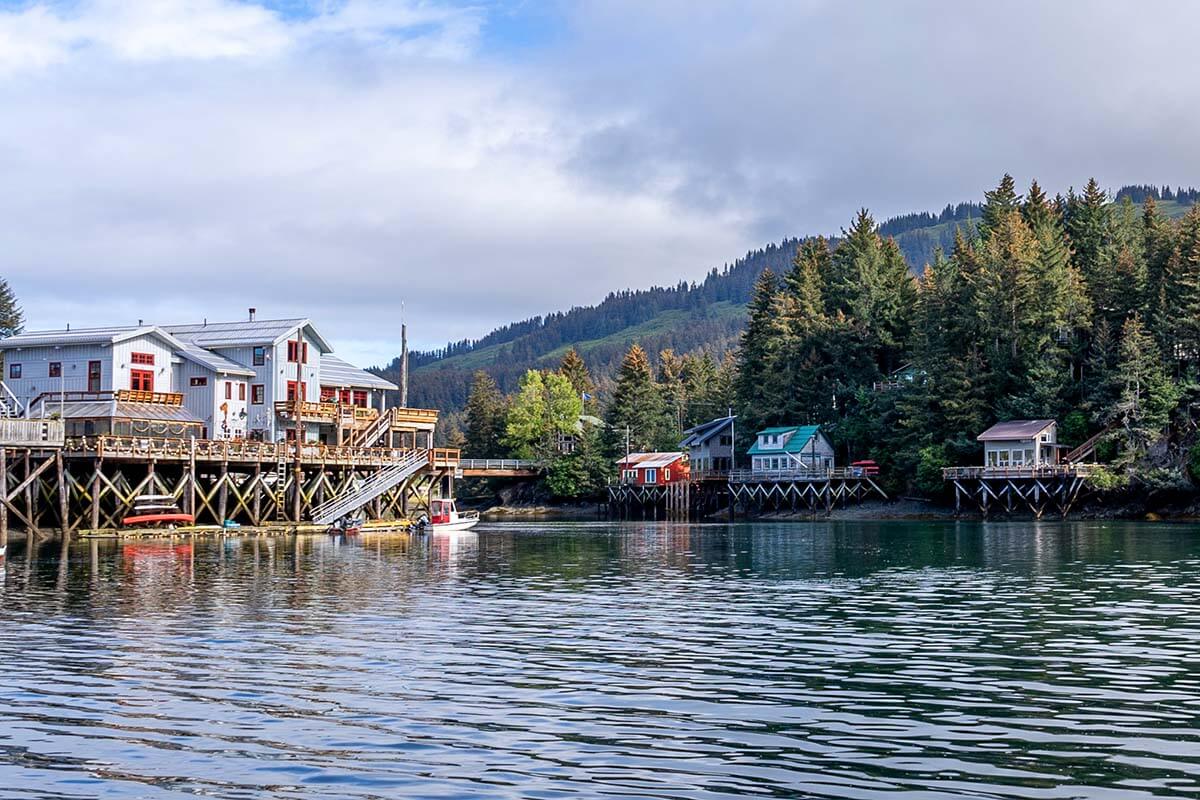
(298,406)
(403,360)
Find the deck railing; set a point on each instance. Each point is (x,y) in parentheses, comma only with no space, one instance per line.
(776,475)
(500,464)
(242,450)
(1021,471)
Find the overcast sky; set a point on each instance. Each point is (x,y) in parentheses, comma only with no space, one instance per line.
(486,161)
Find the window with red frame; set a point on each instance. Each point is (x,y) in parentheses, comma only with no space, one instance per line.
(228,390)
(55,369)
(141,380)
(344,397)
(360,399)
(328,394)
(146,359)
(257,394)
(292,391)
(241,391)
(297,347)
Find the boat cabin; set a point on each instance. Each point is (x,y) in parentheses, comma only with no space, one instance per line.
(1020,443)
(653,469)
(791,448)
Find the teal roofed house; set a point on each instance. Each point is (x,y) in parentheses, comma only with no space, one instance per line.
(791,448)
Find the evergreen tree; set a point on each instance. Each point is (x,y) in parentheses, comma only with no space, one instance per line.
(998,205)
(574,370)
(637,413)
(759,349)
(12,318)
(1147,395)
(486,412)
(1038,210)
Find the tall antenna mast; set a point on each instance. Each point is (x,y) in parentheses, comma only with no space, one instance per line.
(403,359)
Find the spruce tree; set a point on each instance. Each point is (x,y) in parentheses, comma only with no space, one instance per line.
(637,413)
(997,205)
(575,370)
(1147,395)
(12,318)
(486,411)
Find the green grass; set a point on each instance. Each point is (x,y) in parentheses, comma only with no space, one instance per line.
(660,323)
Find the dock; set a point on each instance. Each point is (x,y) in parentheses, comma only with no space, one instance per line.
(1034,489)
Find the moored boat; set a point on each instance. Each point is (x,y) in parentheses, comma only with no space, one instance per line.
(444,517)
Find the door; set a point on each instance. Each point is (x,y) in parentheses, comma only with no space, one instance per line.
(93,376)
(141,380)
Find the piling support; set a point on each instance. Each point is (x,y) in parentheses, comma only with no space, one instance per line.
(63,509)
(3,501)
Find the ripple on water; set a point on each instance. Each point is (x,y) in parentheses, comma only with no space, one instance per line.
(692,661)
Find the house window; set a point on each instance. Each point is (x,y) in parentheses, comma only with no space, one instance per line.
(291,393)
(667,474)
(93,376)
(55,369)
(360,398)
(242,392)
(260,356)
(228,390)
(651,476)
(14,370)
(328,394)
(1028,456)
(300,348)
(141,380)
(145,359)
(344,397)
(257,391)
(198,381)
(991,458)
(726,441)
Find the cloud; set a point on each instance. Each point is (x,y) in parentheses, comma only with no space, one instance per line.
(180,159)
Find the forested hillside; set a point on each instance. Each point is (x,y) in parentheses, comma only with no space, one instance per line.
(705,316)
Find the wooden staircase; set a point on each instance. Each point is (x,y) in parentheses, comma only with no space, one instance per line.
(370,435)
(358,496)
(1087,448)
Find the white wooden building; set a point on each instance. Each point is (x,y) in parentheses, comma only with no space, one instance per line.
(1020,443)
(236,379)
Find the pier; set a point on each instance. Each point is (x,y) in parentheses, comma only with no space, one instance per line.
(1034,489)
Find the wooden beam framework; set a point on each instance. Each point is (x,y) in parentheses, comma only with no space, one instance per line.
(1008,494)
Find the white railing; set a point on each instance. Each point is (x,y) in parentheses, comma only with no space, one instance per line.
(1021,471)
(769,475)
(500,464)
(358,496)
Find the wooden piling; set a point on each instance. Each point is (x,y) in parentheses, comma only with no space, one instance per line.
(63,507)
(3,500)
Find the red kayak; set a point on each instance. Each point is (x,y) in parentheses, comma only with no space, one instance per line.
(150,519)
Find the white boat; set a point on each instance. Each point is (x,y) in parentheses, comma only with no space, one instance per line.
(444,517)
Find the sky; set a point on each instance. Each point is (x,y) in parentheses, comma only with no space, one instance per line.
(483,162)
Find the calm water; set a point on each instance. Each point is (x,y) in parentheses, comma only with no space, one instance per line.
(910,660)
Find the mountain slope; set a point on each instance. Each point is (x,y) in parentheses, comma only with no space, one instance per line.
(688,317)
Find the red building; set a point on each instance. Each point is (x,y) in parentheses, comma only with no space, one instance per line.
(653,469)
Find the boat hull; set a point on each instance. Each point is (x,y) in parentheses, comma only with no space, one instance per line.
(453,527)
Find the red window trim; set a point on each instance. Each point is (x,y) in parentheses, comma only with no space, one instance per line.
(291,390)
(145,359)
(54,370)
(258,394)
(141,380)
(228,390)
(295,347)
(242,392)
(200,380)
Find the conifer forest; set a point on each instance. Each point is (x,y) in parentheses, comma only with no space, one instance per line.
(1083,307)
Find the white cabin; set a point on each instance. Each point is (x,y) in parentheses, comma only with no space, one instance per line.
(1020,443)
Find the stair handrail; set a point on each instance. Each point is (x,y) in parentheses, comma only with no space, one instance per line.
(377,484)
(17,406)
(1087,447)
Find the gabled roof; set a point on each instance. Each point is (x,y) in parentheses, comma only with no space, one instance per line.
(214,361)
(796,443)
(336,372)
(643,460)
(246,332)
(699,434)
(73,336)
(1015,429)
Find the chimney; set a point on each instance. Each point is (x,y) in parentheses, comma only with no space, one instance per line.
(139,323)
(253,311)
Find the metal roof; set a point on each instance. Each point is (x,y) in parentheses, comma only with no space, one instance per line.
(336,372)
(100,409)
(245,332)
(75,336)
(213,361)
(698,434)
(641,460)
(1015,429)
(801,436)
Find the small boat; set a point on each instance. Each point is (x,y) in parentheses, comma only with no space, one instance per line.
(157,509)
(444,517)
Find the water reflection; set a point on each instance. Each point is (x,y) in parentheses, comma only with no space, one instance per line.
(532,660)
